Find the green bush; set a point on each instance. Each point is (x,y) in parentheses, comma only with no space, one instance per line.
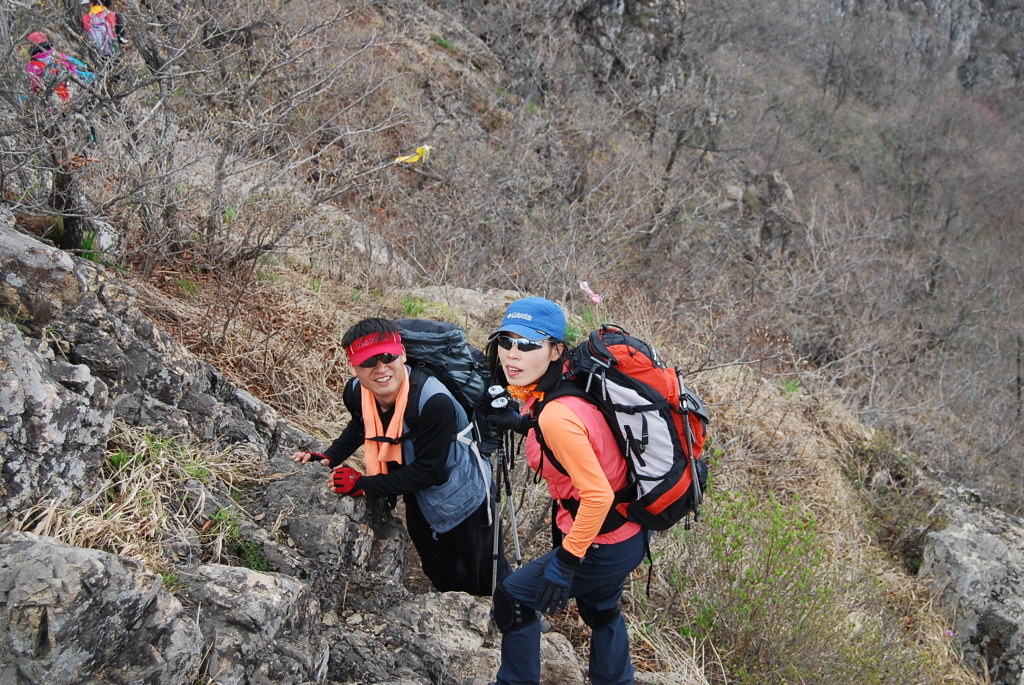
(789,386)
(413,307)
(771,592)
(756,583)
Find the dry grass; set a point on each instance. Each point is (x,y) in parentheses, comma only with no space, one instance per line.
(142,509)
(280,341)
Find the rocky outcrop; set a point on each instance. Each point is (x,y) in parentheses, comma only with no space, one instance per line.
(259,627)
(975,565)
(77,357)
(54,421)
(980,42)
(80,615)
(969,554)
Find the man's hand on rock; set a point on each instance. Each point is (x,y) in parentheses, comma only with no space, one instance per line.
(302,457)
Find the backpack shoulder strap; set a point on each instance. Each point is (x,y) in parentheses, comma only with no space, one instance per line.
(566,388)
(615,518)
(417,379)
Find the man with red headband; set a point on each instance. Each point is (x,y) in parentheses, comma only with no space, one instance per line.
(409,425)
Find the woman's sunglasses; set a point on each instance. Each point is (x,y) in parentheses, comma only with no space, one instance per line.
(524,344)
(371,362)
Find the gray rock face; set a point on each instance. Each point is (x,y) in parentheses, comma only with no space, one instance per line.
(72,615)
(975,566)
(260,628)
(980,41)
(359,548)
(642,37)
(54,420)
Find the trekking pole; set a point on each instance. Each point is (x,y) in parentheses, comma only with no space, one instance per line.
(499,400)
(684,406)
(511,507)
(497,524)
(502,471)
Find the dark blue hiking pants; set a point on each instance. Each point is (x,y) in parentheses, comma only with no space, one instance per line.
(597,587)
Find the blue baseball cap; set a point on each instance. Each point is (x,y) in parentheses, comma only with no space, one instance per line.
(533,318)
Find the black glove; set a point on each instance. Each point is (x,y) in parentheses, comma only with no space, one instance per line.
(556,581)
(509,418)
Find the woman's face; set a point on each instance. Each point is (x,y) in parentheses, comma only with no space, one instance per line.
(525,367)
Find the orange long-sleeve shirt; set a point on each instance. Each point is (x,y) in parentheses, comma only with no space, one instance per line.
(579,437)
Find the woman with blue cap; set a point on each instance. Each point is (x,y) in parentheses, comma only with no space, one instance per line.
(594,556)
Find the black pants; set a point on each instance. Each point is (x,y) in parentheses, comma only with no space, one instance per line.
(461,559)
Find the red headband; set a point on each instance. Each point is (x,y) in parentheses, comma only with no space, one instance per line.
(375,343)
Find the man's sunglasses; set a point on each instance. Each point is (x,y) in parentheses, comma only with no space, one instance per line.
(524,344)
(384,357)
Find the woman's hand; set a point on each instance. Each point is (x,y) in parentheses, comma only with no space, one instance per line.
(556,581)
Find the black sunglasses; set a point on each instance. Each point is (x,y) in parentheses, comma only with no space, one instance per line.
(524,344)
(383,357)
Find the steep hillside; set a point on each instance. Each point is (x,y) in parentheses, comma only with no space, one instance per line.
(812,213)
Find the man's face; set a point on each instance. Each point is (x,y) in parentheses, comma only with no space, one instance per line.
(383,380)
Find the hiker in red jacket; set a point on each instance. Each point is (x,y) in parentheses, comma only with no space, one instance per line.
(100,25)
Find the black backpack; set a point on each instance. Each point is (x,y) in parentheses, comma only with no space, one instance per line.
(442,350)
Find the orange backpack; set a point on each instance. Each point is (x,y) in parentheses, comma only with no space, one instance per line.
(659,423)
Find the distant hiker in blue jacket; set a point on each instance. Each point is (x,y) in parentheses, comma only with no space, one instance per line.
(408,423)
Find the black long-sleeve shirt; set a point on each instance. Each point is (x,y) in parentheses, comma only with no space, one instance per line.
(435,430)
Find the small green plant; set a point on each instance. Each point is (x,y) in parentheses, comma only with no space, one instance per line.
(251,553)
(789,386)
(357,294)
(444,43)
(227,522)
(315,284)
(197,469)
(590,318)
(171,581)
(574,334)
(89,241)
(414,306)
(18,316)
(119,459)
(268,276)
(187,288)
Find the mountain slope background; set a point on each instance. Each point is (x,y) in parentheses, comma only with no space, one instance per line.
(822,195)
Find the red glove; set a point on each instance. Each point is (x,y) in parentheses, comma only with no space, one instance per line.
(345,481)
